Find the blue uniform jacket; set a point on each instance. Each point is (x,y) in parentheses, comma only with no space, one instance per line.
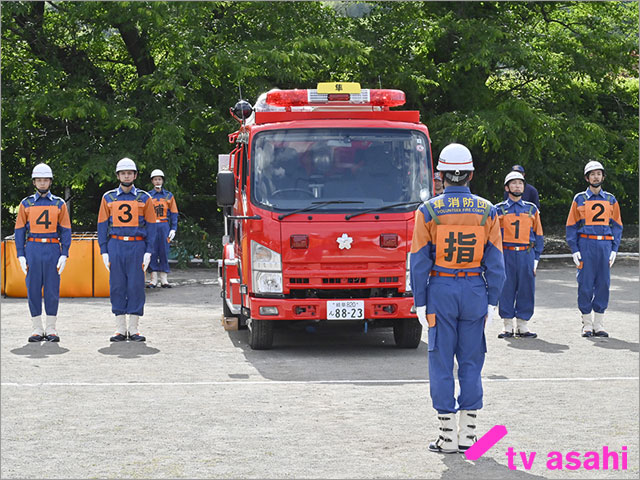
(594,214)
(451,246)
(128,215)
(526,209)
(43,217)
(165,205)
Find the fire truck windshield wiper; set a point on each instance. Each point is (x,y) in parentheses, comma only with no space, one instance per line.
(385,207)
(315,205)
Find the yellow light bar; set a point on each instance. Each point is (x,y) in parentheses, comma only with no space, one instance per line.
(339,87)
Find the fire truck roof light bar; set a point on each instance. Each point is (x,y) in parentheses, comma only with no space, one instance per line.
(300,98)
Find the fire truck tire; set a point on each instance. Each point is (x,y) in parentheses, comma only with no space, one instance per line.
(261,334)
(407,333)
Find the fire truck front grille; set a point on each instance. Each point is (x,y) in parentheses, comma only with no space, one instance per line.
(349,280)
(298,280)
(344,293)
(388,279)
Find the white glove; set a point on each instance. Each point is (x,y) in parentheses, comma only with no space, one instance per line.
(62,261)
(535,266)
(105,259)
(172,233)
(576,258)
(491,312)
(422,316)
(612,258)
(146,260)
(23,264)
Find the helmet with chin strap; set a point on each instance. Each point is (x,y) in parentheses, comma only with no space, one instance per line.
(42,170)
(591,166)
(455,162)
(126,164)
(513,176)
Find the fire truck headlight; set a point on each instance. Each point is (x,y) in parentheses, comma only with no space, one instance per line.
(267,282)
(263,258)
(407,280)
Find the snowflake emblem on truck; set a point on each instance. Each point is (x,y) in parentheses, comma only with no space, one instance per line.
(344,242)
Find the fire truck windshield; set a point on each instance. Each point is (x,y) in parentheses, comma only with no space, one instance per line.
(365,168)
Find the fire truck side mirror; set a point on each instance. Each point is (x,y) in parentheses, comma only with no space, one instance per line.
(225,189)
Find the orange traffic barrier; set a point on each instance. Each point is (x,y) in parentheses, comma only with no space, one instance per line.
(84,275)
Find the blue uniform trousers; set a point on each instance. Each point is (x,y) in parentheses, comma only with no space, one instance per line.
(160,253)
(519,290)
(42,259)
(126,278)
(594,276)
(460,306)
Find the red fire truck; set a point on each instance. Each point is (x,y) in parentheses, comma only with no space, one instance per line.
(319,196)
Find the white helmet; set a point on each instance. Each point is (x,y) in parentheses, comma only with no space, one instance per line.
(157,173)
(455,157)
(126,164)
(42,170)
(513,176)
(593,165)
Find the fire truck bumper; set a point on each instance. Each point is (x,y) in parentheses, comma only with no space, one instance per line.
(331,309)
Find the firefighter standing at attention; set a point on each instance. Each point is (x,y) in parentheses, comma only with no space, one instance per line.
(522,242)
(43,238)
(594,230)
(166,210)
(457,272)
(126,233)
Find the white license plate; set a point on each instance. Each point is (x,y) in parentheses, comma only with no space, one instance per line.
(345,310)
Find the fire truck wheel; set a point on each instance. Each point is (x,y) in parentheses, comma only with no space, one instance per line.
(261,334)
(407,332)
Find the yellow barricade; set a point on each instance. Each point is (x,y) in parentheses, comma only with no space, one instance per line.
(84,275)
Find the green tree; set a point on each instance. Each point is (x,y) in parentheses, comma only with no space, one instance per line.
(547,85)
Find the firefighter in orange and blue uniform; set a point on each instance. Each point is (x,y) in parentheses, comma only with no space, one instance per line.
(126,233)
(594,230)
(457,272)
(166,209)
(522,243)
(43,238)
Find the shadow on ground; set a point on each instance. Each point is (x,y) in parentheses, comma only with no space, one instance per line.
(536,344)
(40,350)
(458,467)
(311,354)
(128,349)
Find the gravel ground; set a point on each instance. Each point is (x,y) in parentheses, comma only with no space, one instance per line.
(195,401)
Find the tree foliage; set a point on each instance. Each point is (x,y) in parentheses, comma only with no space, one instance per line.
(546,85)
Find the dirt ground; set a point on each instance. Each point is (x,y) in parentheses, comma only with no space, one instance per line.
(195,401)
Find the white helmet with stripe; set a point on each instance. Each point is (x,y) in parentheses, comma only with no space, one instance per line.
(513,176)
(591,166)
(126,164)
(42,170)
(455,157)
(157,173)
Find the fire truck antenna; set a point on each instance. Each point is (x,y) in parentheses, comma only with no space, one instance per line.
(379,82)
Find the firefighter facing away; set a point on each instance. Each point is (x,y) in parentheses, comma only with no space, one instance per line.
(594,230)
(43,238)
(164,204)
(457,272)
(126,233)
(522,242)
